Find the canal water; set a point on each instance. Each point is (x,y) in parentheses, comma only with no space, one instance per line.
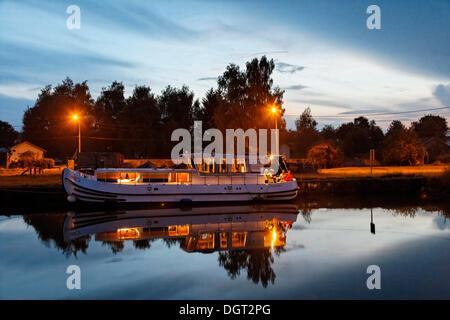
(256,251)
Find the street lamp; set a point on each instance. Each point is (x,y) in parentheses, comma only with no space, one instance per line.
(75,117)
(274,111)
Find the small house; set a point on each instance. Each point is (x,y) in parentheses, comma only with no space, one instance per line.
(26,149)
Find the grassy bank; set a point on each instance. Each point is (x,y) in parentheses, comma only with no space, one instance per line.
(19,181)
(384,171)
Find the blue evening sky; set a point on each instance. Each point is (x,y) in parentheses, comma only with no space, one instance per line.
(326,58)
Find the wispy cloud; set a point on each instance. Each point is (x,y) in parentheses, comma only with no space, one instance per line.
(207,79)
(287,67)
(296,87)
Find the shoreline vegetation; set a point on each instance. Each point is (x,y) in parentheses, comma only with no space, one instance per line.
(424,183)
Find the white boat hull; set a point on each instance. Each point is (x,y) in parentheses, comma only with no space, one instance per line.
(80,187)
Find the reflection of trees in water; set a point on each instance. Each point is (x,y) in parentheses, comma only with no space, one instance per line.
(406,211)
(258,263)
(170,242)
(116,246)
(306,213)
(49,228)
(142,244)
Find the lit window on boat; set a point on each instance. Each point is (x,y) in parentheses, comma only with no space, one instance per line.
(223,240)
(205,241)
(128,233)
(175,231)
(128,177)
(238,239)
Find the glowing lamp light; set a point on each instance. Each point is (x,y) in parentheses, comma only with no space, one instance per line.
(274,110)
(75,117)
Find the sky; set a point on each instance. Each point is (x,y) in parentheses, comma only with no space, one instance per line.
(326,58)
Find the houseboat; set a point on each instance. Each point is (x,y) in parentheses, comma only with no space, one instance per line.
(203,182)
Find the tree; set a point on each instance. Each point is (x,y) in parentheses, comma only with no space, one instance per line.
(247,95)
(8,135)
(402,146)
(328,133)
(142,117)
(359,136)
(177,107)
(325,155)
(431,126)
(49,123)
(110,127)
(307,133)
(209,106)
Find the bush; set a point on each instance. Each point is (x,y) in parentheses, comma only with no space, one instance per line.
(325,155)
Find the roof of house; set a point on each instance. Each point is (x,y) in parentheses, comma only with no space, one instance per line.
(29,143)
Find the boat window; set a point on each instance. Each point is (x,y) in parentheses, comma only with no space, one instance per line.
(128,177)
(238,239)
(156,177)
(108,176)
(180,177)
(223,240)
(205,241)
(175,231)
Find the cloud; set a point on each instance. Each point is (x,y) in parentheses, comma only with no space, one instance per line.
(296,87)
(287,68)
(207,79)
(265,53)
(322,102)
(442,93)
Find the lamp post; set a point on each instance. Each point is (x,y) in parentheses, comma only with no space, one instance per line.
(274,111)
(75,117)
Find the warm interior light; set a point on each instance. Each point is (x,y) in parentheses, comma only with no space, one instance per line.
(75,117)
(274,110)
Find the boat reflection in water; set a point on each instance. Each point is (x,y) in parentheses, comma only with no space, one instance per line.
(245,236)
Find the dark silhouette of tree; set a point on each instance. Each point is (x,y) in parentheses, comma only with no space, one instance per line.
(402,146)
(8,135)
(49,123)
(257,262)
(177,107)
(209,106)
(142,117)
(247,97)
(109,121)
(431,126)
(328,133)
(307,133)
(359,136)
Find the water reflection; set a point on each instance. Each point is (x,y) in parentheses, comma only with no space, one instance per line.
(246,237)
(308,243)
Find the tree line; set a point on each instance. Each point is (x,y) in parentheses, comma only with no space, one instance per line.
(141,125)
(424,141)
